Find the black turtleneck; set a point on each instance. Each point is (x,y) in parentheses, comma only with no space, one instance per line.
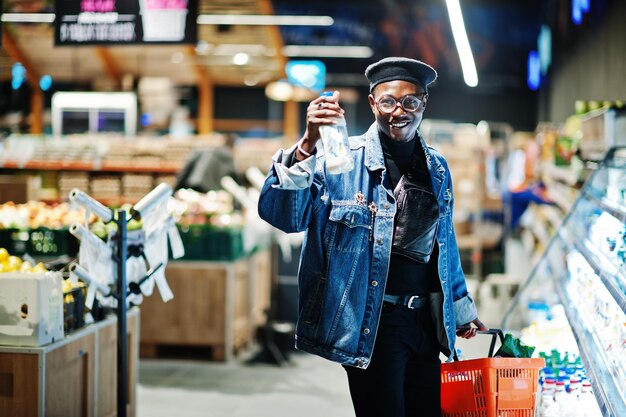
(408,277)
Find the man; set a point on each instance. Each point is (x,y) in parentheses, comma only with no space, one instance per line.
(205,169)
(381,286)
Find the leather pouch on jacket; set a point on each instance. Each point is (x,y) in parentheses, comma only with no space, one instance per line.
(416,220)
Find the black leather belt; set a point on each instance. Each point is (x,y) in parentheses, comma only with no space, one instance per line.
(409,301)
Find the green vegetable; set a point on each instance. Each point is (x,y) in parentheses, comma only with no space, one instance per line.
(512,347)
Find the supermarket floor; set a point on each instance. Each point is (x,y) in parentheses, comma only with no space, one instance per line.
(309,386)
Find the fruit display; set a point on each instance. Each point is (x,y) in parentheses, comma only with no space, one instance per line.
(104,230)
(12,263)
(36,214)
(214,208)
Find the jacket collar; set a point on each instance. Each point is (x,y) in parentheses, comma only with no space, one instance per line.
(375,159)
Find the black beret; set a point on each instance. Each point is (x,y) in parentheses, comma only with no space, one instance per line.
(399,68)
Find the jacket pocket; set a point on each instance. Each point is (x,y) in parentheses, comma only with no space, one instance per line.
(348,226)
(314,304)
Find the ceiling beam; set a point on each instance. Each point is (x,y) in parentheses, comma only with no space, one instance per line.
(17,55)
(205,122)
(275,37)
(32,78)
(110,64)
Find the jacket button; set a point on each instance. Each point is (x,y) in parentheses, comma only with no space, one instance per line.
(366,331)
(387,205)
(360,363)
(374,283)
(379,241)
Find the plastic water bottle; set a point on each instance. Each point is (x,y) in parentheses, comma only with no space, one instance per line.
(336,145)
(563,405)
(546,401)
(587,404)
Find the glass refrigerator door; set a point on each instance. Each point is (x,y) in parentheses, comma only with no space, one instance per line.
(584,271)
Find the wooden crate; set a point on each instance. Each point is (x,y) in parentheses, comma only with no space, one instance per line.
(215,305)
(259,288)
(73,373)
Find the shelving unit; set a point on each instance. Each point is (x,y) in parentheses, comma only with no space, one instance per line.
(584,269)
(75,376)
(35,165)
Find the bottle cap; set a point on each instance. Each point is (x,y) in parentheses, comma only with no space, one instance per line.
(326,94)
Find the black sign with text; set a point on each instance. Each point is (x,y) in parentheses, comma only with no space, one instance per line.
(93,22)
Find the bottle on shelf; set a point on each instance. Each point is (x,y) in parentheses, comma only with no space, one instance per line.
(336,145)
(546,400)
(587,406)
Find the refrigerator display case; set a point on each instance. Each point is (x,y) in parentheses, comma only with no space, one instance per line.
(583,274)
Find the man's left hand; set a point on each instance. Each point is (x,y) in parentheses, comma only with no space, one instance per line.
(466,331)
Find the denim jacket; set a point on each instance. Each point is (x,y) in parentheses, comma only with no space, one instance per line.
(349,224)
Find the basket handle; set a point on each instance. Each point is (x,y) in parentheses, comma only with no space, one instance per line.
(494,333)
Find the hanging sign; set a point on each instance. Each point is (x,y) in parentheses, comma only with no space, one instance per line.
(92,22)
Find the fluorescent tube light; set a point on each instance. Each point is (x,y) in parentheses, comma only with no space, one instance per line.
(243,19)
(462,43)
(235,48)
(328,51)
(28,17)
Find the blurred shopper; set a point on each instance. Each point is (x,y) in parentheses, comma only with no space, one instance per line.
(381,286)
(205,169)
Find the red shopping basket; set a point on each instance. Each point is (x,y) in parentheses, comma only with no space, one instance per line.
(490,387)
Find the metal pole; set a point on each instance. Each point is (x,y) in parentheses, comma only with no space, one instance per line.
(122,362)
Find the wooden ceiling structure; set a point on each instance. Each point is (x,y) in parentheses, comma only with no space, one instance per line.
(104,68)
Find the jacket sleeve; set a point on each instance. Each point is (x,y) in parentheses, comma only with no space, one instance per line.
(290,191)
(464,306)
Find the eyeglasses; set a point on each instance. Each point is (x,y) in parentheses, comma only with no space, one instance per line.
(387,104)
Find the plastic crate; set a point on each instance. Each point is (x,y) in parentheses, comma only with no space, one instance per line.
(52,242)
(74,309)
(211,244)
(490,387)
(14,240)
(40,242)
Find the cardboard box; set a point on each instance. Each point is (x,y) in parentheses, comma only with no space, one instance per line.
(31,308)
(19,188)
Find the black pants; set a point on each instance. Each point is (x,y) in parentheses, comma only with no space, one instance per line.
(403,378)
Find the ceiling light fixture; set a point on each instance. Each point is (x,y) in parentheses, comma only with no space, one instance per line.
(328,51)
(177,58)
(250,19)
(462,43)
(203,48)
(234,48)
(241,59)
(28,17)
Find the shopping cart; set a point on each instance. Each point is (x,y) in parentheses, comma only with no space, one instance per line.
(490,387)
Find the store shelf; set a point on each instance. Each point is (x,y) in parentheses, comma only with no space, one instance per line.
(588,279)
(614,281)
(563,174)
(603,377)
(161,168)
(109,202)
(608,206)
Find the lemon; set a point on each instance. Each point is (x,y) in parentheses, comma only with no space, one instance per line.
(25,267)
(4,254)
(40,267)
(14,263)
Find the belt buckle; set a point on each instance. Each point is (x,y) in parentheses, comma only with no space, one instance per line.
(410,303)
